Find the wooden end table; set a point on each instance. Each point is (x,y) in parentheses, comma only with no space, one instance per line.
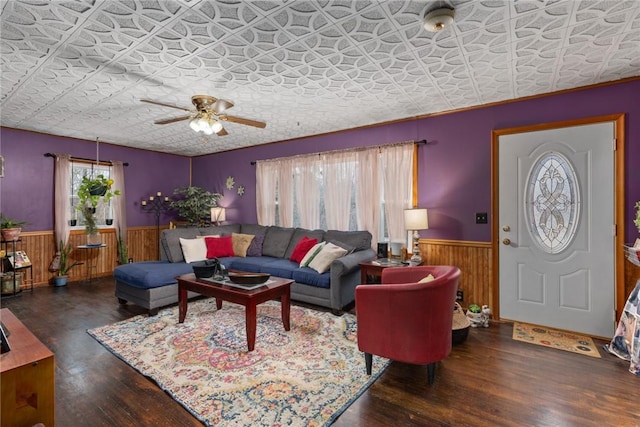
(275,288)
(374,268)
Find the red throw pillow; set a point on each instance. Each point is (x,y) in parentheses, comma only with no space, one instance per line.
(218,247)
(304,245)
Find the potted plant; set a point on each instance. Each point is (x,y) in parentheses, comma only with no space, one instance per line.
(11,228)
(123,251)
(195,203)
(65,264)
(91,192)
(636,221)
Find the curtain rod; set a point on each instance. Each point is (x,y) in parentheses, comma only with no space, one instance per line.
(421,142)
(110,162)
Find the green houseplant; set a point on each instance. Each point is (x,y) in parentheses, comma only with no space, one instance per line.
(194,204)
(10,228)
(91,192)
(123,251)
(636,221)
(65,264)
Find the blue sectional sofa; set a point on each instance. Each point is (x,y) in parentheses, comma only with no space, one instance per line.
(152,284)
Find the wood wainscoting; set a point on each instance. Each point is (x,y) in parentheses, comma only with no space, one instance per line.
(474,261)
(40,248)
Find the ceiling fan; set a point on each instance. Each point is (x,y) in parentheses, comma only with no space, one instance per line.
(207,115)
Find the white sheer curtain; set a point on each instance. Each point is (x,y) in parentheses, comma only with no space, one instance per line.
(285,191)
(266,182)
(397,163)
(306,182)
(338,173)
(119,202)
(368,197)
(62,195)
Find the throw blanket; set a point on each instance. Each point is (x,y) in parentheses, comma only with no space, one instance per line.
(623,344)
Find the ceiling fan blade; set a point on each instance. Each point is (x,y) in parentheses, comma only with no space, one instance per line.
(222,132)
(243,121)
(221,105)
(149,101)
(172,120)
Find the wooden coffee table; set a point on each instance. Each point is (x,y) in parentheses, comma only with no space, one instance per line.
(275,288)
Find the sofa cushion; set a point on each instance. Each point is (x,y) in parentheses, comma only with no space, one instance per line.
(170,240)
(276,241)
(241,243)
(280,268)
(298,234)
(254,229)
(193,249)
(151,274)
(223,230)
(309,276)
(304,245)
(311,254)
(329,253)
(255,248)
(218,247)
(360,240)
(251,264)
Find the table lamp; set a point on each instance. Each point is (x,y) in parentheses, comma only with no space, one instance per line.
(218,215)
(414,220)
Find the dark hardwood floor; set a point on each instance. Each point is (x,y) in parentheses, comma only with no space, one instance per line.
(489,380)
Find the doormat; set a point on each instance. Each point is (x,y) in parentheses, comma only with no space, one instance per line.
(554,338)
(305,377)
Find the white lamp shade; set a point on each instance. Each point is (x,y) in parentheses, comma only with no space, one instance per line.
(216,126)
(416,219)
(218,214)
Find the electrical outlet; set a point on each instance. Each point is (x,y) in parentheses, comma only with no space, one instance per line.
(460,295)
(481,217)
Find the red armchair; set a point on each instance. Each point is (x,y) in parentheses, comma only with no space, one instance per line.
(407,321)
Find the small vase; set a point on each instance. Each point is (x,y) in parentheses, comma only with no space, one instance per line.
(94,239)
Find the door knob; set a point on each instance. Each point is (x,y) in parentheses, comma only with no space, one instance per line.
(506,228)
(506,241)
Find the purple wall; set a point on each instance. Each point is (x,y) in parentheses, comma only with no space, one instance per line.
(26,191)
(455,168)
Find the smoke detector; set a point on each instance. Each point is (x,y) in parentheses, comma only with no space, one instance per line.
(438,19)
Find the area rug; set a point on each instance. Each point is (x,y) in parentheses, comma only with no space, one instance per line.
(305,377)
(553,338)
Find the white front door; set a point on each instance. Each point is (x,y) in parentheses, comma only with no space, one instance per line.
(556,232)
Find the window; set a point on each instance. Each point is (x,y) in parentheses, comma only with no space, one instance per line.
(366,188)
(79,170)
(553,203)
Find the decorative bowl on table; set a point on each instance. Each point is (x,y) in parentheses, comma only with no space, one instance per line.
(248,278)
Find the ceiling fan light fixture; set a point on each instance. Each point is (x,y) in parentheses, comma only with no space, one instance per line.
(215,125)
(193,124)
(438,19)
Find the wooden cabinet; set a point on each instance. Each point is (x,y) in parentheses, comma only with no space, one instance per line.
(27,377)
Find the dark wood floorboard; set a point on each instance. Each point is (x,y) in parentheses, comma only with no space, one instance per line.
(489,380)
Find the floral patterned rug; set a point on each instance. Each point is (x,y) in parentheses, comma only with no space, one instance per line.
(553,338)
(305,377)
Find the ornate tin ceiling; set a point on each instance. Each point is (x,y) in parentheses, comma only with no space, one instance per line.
(80,68)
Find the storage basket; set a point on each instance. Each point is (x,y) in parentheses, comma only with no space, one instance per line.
(460,326)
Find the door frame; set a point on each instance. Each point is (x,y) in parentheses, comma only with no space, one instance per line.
(619,176)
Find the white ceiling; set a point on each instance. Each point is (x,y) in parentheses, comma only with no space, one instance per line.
(79,69)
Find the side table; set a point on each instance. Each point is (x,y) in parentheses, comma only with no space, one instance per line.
(91,259)
(374,268)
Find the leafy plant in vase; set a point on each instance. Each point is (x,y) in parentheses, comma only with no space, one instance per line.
(65,264)
(11,228)
(195,204)
(91,193)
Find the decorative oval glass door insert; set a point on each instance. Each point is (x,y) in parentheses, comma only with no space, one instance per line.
(552,202)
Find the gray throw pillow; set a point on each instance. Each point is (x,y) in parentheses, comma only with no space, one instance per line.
(276,241)
(255,248)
